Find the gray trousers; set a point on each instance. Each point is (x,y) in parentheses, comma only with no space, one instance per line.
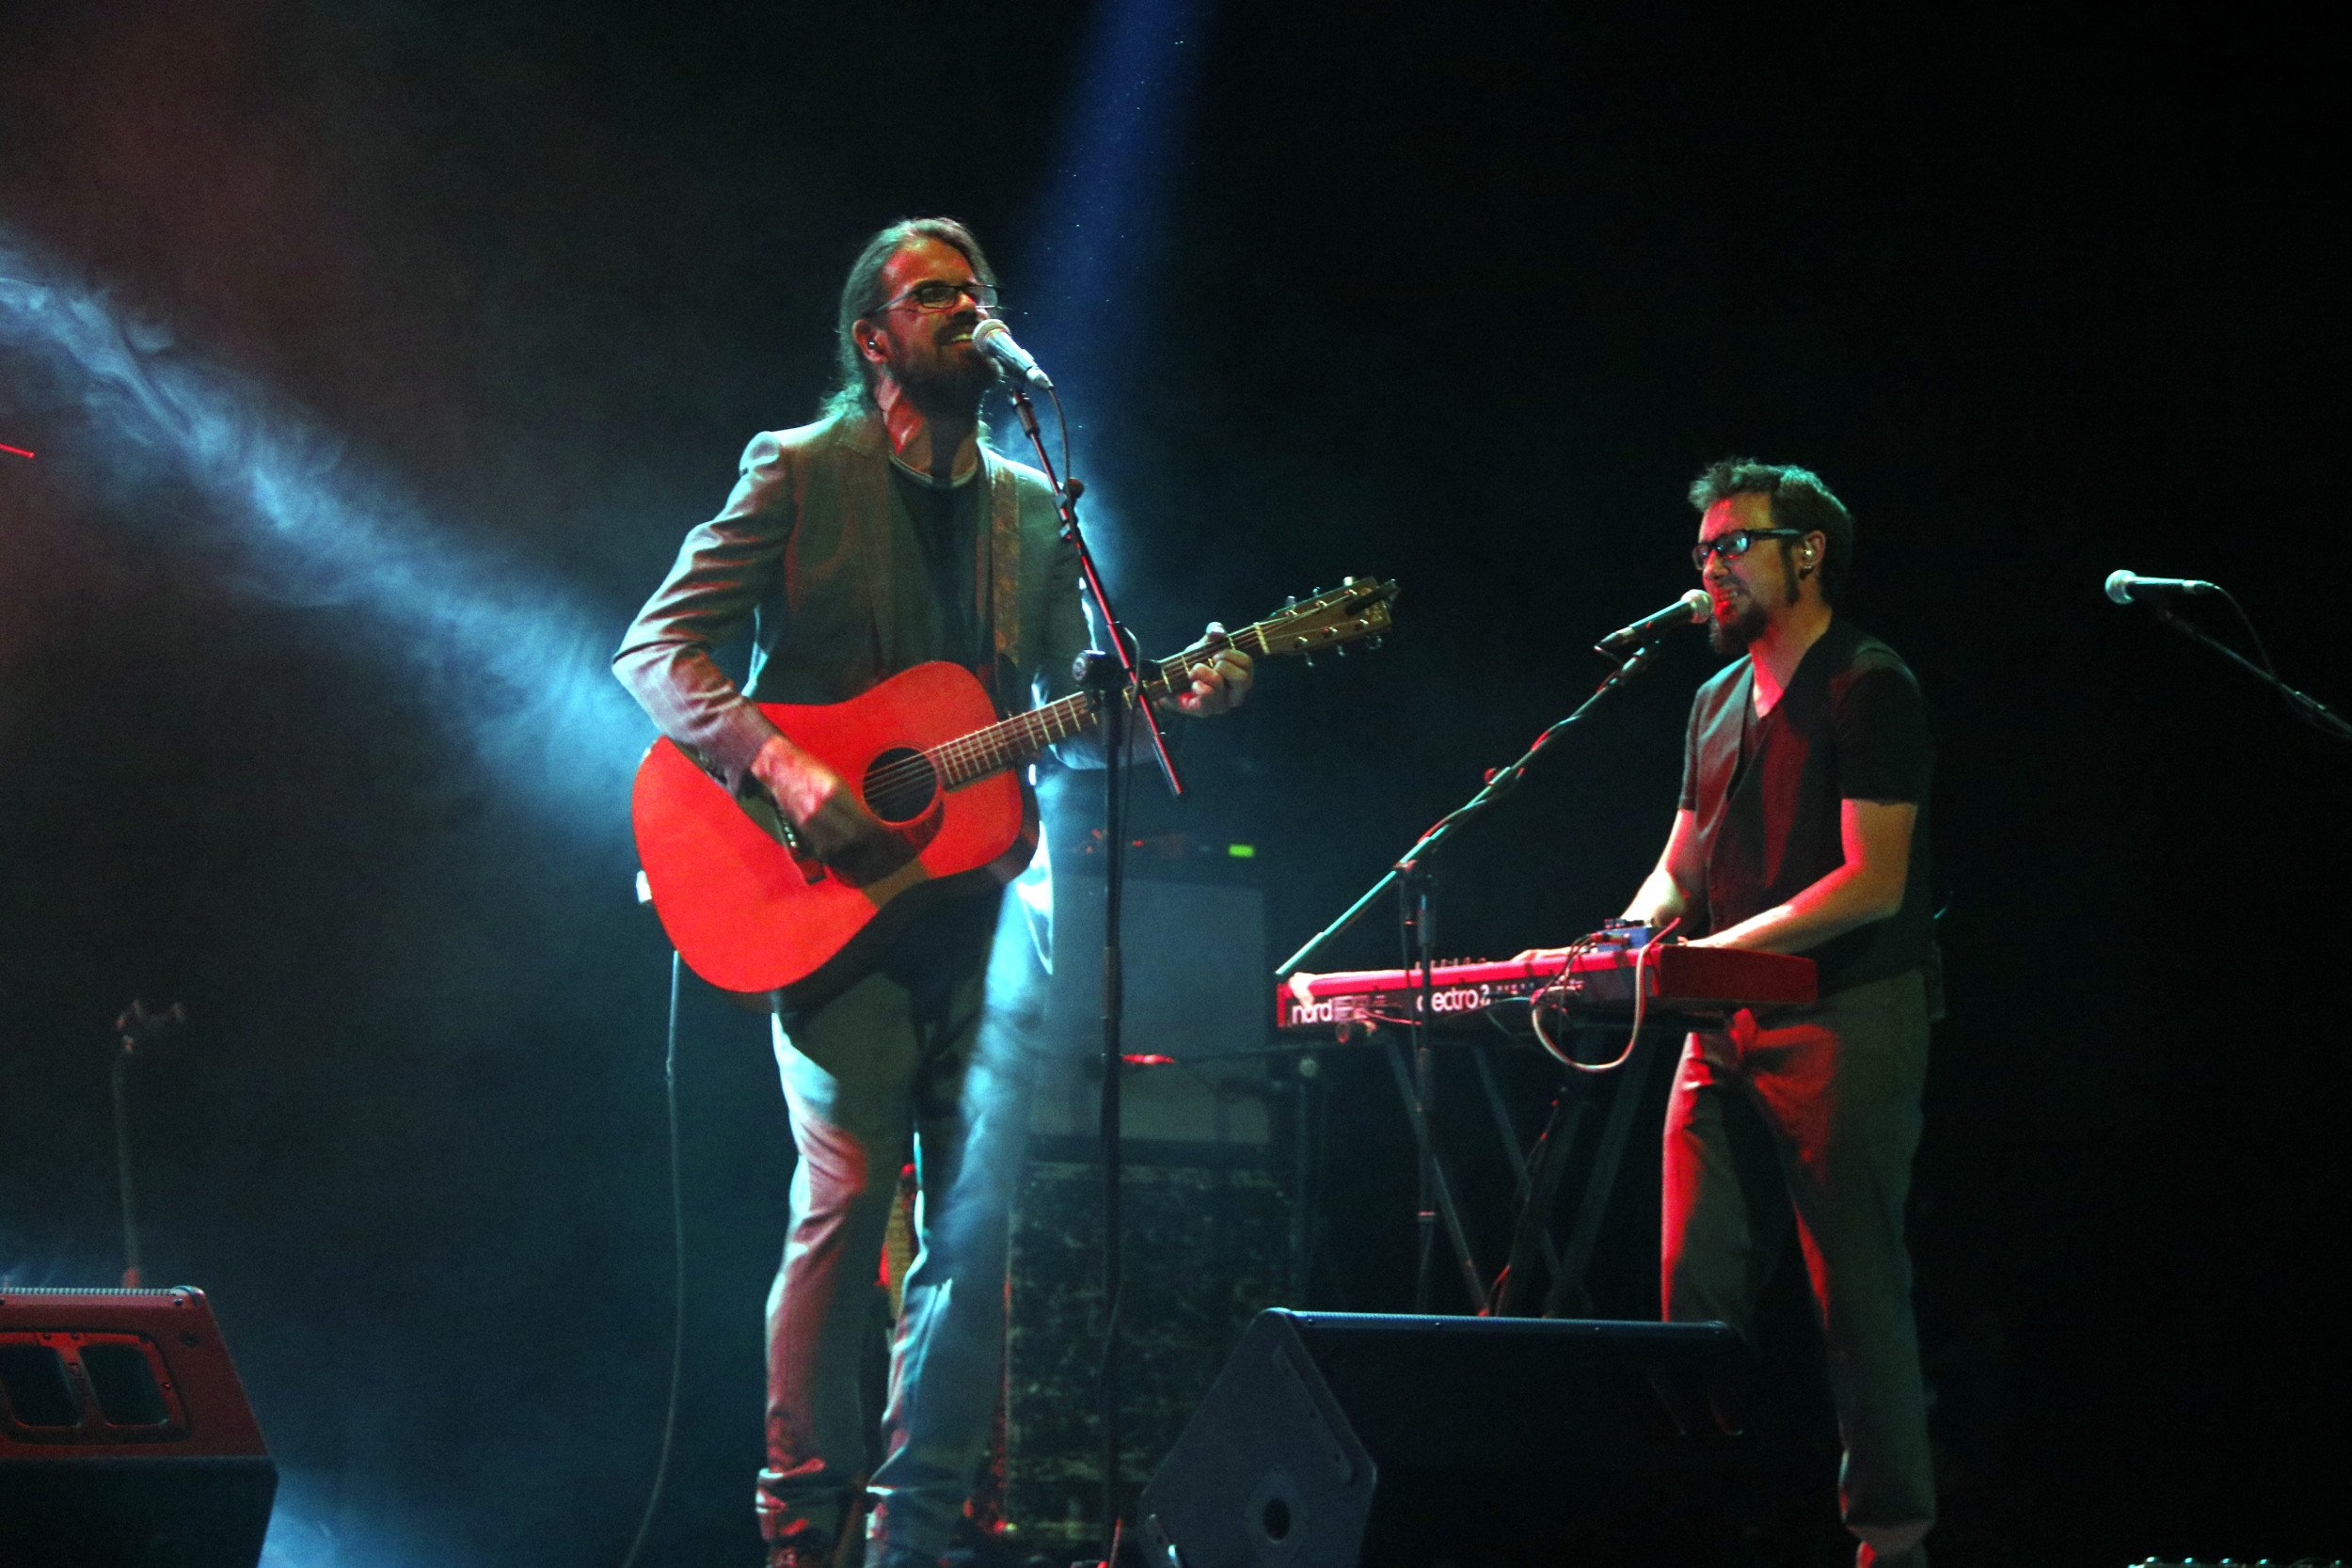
(902,1061)
(1833,1091)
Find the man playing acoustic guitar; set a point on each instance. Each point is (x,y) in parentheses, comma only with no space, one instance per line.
(882,537)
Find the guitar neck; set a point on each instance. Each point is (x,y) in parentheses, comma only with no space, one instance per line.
(1011,742)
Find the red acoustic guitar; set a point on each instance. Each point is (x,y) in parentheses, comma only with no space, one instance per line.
(752,916)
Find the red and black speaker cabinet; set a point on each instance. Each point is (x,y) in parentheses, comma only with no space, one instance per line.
(125,1438)
(1335,1440)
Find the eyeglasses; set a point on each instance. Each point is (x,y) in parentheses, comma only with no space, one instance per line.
(1736,543)
(939,293)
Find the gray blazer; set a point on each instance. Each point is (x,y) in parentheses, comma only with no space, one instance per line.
(815,553)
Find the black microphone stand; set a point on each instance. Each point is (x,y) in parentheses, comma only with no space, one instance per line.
(1117,681)
(1411,878)
(2314,712)
(135,1028)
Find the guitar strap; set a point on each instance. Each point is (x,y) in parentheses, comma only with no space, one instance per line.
(1004,565)
(868,480)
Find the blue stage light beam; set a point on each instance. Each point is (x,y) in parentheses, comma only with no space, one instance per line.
(318,1522)
(489,641)
(1090,265)
(1101,235)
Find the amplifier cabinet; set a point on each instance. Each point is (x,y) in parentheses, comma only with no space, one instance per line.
(1207,1249)
(125,1437)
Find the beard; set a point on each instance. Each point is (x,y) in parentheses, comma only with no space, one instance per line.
(1732,637)
(947,382)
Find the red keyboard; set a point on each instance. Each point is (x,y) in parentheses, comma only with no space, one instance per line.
(1598,983)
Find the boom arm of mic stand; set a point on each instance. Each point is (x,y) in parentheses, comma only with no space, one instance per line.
(1498,784)
(2319,714)
(1065,503)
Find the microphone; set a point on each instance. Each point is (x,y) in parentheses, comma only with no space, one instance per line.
(2123,586)
(994,338)
(1688,610)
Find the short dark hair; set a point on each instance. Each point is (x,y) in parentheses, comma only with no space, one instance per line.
(1799,499)
(862,295)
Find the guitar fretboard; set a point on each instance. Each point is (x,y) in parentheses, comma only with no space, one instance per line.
(1010,742)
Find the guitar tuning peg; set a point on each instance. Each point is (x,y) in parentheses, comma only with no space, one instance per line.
(1370,643)
(1339,650)
(1291,603)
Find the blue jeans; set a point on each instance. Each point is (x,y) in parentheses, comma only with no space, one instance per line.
(914,1056)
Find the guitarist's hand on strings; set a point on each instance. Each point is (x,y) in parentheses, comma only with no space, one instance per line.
(1220,675)
(827,815)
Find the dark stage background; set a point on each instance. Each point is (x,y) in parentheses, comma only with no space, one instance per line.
(460,315)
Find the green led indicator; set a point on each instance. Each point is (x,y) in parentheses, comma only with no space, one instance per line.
(1242,851)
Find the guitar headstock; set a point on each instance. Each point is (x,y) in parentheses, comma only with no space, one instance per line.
(1358,608)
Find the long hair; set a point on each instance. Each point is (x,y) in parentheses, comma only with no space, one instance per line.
(861,294)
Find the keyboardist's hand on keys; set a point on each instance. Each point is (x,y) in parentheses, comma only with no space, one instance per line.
(1558,955)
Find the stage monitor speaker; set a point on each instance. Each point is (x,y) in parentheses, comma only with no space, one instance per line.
(125,1438)
(1337,1439)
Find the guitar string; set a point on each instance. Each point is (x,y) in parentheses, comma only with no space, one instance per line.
(1003,743)
(990,750)
(1027,732)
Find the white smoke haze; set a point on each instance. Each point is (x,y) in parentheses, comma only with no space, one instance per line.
(291,517)
(310,1526)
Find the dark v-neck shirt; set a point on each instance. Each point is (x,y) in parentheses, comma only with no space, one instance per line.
(947,521)
(1850,726)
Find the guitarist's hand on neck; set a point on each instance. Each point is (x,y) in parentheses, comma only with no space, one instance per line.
(827,814)
(1219,674)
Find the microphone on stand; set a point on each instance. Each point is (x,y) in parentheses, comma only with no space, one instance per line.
(1688,610)
(2124,587)
(994,338)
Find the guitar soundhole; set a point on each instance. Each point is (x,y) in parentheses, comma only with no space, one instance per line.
(901,784)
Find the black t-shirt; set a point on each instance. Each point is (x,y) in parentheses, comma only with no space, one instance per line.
(1850,726)
(948,527)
